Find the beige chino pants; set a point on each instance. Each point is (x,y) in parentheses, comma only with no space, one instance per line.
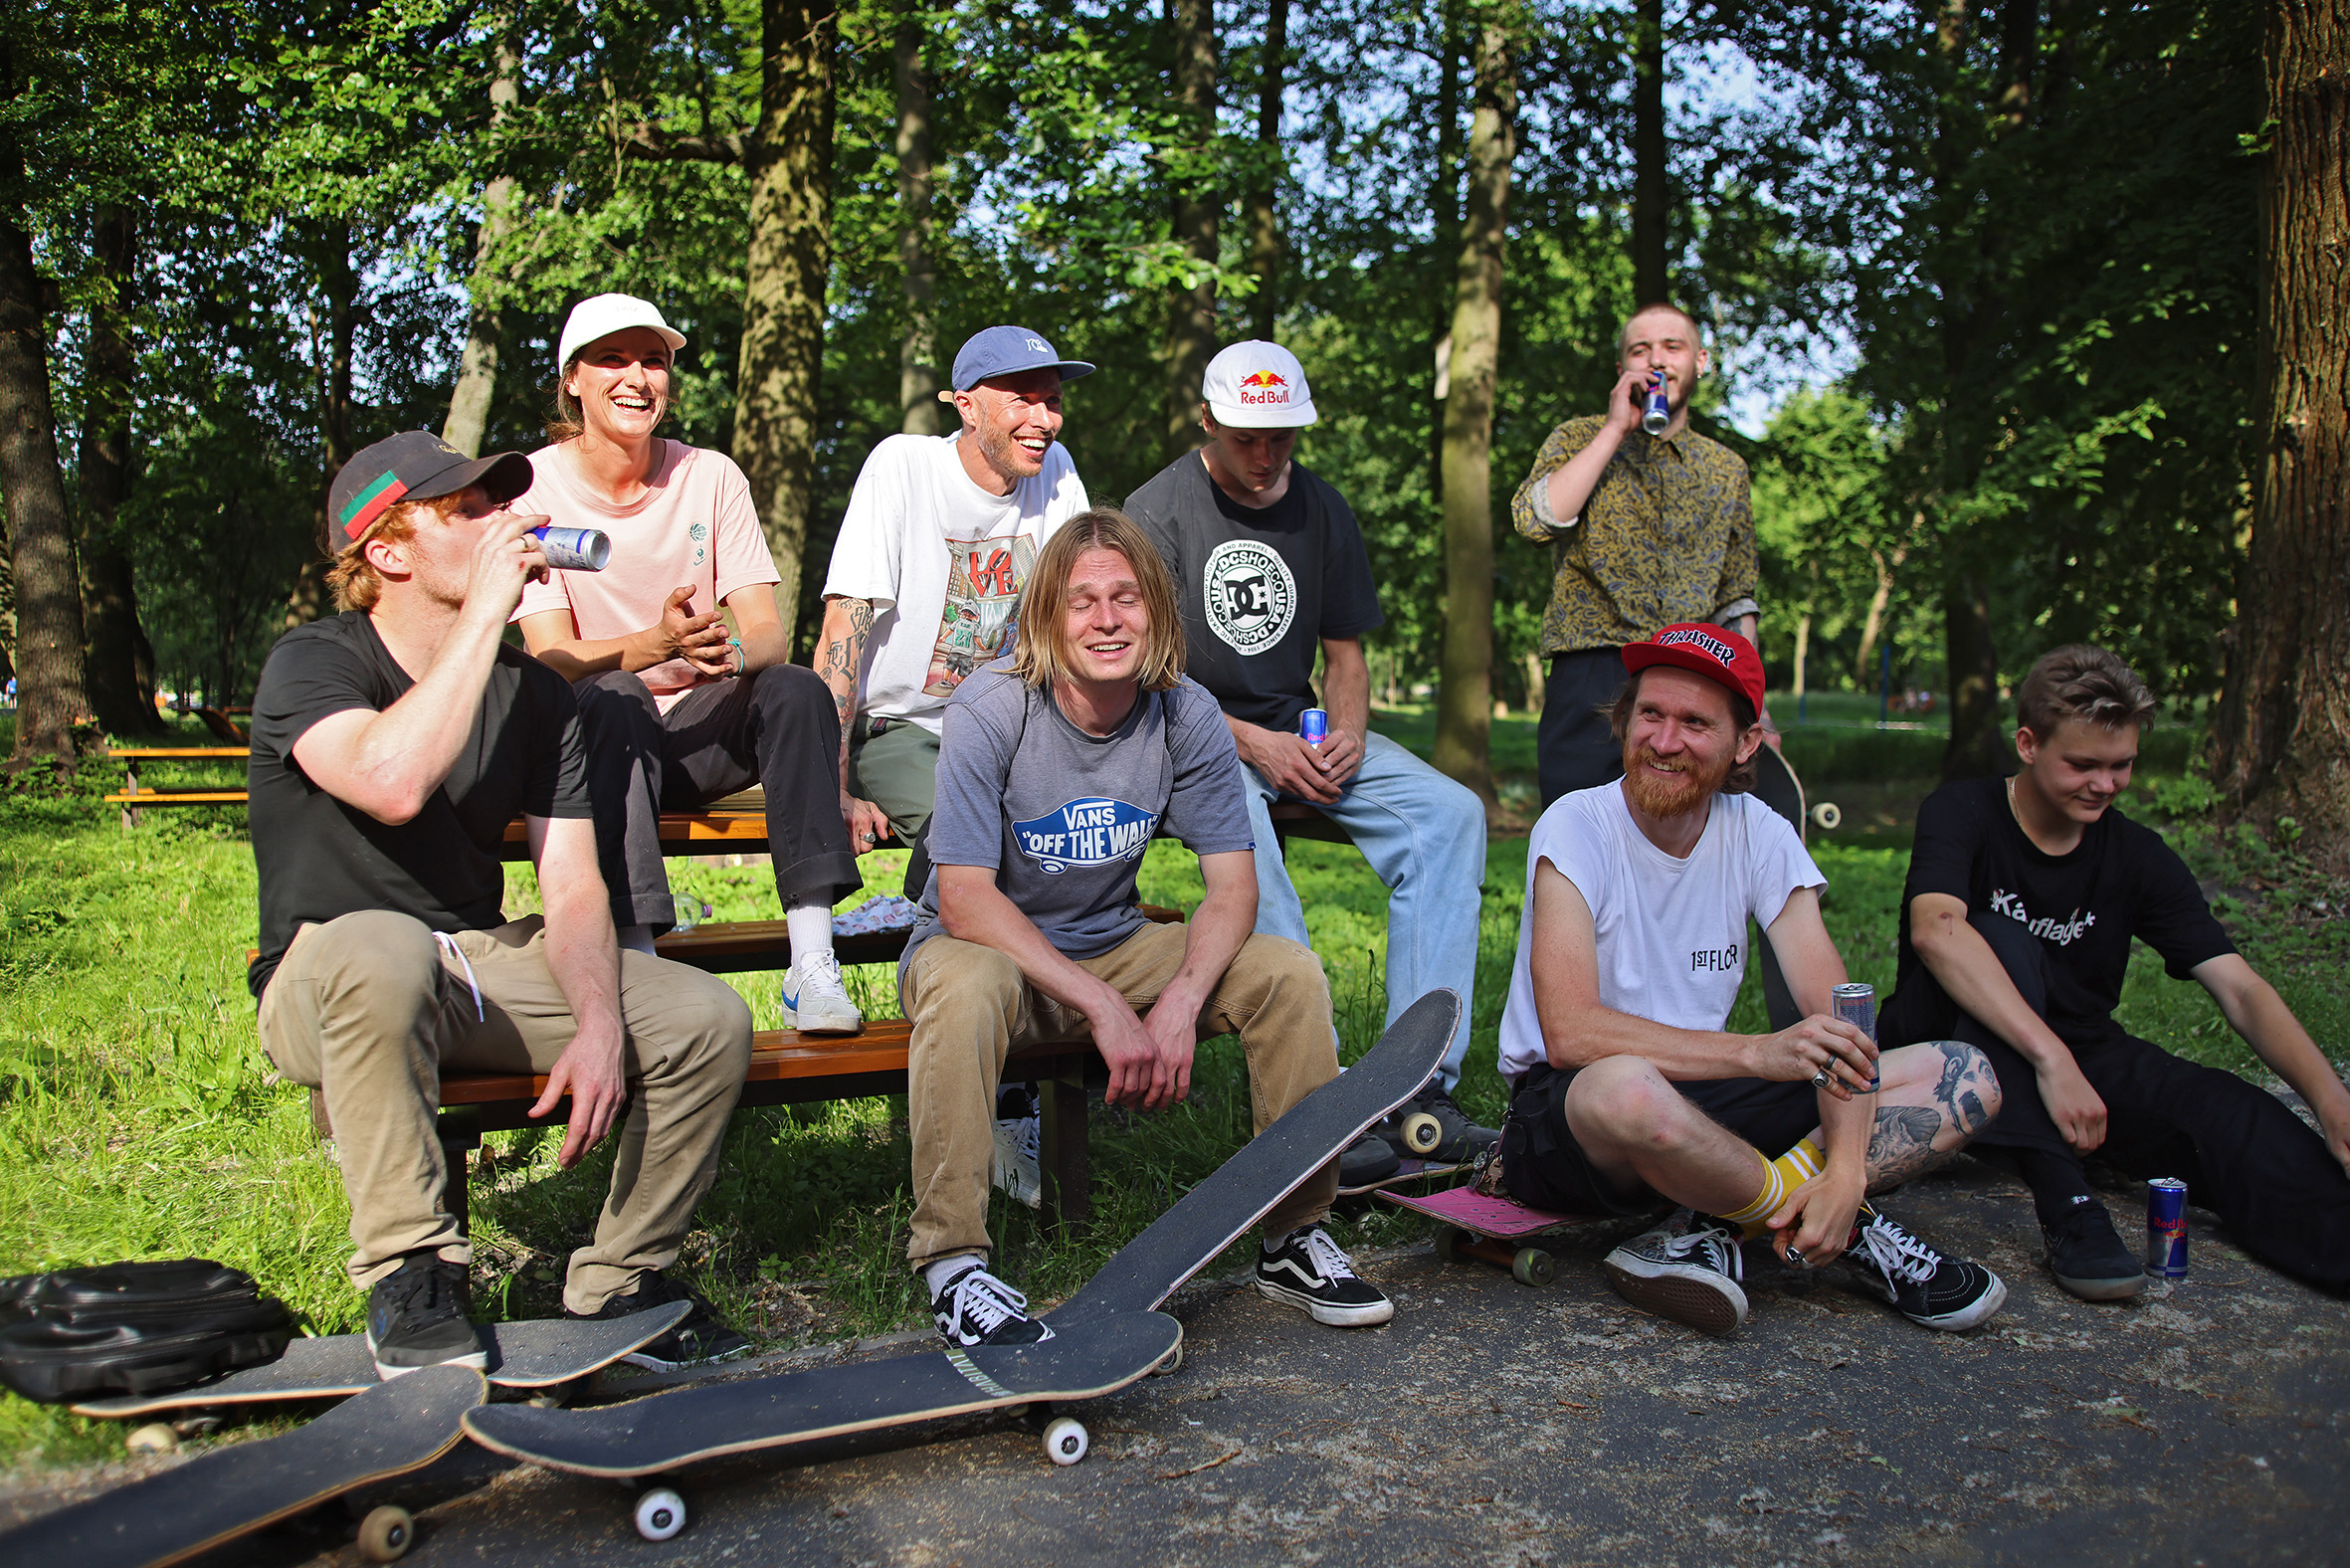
(970,1004)
(371,1009)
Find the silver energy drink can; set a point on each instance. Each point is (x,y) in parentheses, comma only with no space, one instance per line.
(1314,725)
(1659,412)
(1855,1003)
(574,549)
(2165,1228)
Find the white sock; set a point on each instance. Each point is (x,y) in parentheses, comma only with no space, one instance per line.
(937,1272)
(810,930)
(637,938)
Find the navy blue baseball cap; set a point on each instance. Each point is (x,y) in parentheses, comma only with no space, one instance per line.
(1008,352)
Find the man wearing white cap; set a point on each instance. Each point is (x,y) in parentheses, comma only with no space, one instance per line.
(679,710)
(1272,569)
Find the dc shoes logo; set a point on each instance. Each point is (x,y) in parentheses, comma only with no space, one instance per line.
(1251,596)
(1086,834)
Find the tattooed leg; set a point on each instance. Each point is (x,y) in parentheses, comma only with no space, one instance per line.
(1936,1096)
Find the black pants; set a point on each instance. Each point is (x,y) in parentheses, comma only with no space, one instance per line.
(1545,1168)
(1573,750)
(777,728)
(2242,1153)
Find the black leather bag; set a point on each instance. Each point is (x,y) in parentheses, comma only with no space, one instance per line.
(134,1328)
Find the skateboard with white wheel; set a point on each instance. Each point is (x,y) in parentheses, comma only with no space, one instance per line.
(663,1432)
(388,1430)
(1492,1230)
(1405,1171)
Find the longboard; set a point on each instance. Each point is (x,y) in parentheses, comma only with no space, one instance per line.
(1477,1225)
(1274,1164)
(536,1354)
(391,1429)
(1406,1171)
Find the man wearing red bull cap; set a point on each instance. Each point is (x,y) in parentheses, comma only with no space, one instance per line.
(1628,1092)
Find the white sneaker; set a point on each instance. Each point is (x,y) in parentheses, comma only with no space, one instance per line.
(814,1000)
(1016,1172)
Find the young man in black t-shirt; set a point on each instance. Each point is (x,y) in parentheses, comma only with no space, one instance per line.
(392,744)
(1272,569)
(2023,897)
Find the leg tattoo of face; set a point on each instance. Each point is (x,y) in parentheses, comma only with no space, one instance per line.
(1910,1140)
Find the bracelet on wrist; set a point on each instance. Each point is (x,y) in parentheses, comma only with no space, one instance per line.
(742,659)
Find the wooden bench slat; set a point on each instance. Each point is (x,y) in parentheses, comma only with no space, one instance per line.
(149,754)
(225,797)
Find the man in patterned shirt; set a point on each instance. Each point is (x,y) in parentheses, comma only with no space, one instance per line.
(1646,530)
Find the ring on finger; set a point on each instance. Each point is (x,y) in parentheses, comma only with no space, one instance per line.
(1820,1079)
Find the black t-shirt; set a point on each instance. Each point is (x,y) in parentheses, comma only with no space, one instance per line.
(320,859)
(1261,589)
(2121,881)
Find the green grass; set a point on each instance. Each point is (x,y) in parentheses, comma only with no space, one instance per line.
(137,1120)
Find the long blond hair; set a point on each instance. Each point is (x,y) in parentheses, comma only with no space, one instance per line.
(1040,656)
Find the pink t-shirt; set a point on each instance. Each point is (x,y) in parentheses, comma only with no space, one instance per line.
(694,527)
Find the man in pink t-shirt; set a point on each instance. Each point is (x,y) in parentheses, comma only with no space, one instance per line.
(677,709)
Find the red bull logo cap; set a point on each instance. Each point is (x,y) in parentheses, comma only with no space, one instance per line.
(1258,385)
(1714,651)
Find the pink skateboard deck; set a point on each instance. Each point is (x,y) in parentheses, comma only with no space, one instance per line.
(1499,1219)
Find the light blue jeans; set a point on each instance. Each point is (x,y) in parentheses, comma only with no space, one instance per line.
(1425,837)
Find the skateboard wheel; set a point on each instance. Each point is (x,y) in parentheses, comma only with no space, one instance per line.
(1066,1441)
(1532,1266)
(660,1513)
(1421,1132)
(1448,1244)
(1827,814)
(156,1437)
(386,1533)
(1173,1363)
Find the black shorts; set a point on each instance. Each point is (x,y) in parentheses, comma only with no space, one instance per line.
(1545,1168)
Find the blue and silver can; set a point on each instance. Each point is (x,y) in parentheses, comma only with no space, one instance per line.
(2165,1228)
(1314,725)
(574,549)
(1659,412)
(1855,1003)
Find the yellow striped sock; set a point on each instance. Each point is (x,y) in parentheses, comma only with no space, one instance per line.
(1780,1177)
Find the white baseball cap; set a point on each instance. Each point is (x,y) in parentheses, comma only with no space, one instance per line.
(1258,385)
(607,313)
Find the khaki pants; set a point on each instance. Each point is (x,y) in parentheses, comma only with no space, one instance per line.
(371,1009)
(969,1005)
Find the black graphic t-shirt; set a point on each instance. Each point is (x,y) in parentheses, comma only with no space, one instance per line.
(2121,881)
(1261,588)
(320,859)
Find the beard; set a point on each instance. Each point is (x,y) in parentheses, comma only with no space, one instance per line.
(1673,795)
(1009,459)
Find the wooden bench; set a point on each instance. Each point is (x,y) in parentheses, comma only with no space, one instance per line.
(132,799)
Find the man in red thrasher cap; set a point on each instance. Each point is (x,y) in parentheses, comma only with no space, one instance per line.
(1629,1096)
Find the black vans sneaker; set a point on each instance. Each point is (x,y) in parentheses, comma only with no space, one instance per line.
(2088,1259)
(700,1336)
(1689,1269)
(416,1319)
(1924,1286)
(1311,1271)
(1458,1139)
(1368,1159)
(977,1309)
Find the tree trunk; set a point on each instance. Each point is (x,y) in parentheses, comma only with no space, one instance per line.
(918,352)
(1975,748)
(1191,309)
(477,371)
(1464,701)
(1265,234)
(330,353)
(2283,741)
(1443,218)
(1873,623)
(790,166)
(119,669)
(1649,197)
(50,698)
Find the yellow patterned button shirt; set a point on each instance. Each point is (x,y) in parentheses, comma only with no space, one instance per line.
(1667,536)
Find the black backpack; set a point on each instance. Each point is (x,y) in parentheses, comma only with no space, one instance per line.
(134,1328)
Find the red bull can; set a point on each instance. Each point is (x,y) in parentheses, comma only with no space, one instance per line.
(1314,725)
(1659,412)
(1855,1003)
(2165,1228)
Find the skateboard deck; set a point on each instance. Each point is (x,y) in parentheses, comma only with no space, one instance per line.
(1497,1219)
(391,1429)
(1408,1170)
(1777,787)
(665,1431)
(1217,1212)
(535,1354)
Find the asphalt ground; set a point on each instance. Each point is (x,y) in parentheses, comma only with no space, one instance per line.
(1494,1423)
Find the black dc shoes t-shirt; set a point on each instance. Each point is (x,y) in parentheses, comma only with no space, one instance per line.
(320,859)
(2121,881)
(1261,589)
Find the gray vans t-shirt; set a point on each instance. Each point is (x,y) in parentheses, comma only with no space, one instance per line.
(1062,816)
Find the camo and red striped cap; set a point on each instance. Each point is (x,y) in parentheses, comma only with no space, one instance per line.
(416,465)
(1714,651)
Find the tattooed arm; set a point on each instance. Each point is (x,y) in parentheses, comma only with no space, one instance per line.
(840,657)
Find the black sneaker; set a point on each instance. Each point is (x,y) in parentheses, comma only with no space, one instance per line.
(700,1336)
(1689,1269)
(2088,1259)
(416,1319)
(977,1309)
(1923,1286)
(1458,1139)
(1368,1159)
(1311,1271)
